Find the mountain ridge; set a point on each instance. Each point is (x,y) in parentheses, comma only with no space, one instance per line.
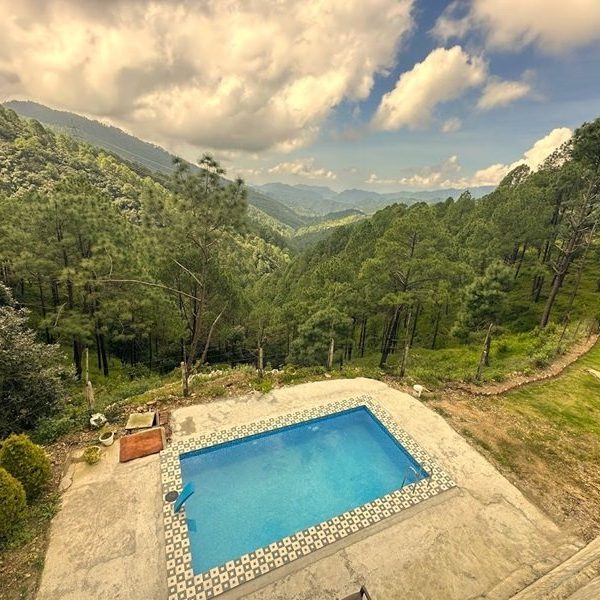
(294,205)
(132,149)
(322,199)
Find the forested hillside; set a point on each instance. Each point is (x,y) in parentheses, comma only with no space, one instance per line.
(149,159)
(107,257)
(521,258)
(154,270)
(293,206)
(98,134)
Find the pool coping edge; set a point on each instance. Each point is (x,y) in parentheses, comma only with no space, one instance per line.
(183,583)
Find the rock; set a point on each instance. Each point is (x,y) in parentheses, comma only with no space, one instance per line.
(593,373)
(97,420)
(65,483)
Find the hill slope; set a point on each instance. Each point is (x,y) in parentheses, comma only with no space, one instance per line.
(133,150)
(98,134)
(294,206)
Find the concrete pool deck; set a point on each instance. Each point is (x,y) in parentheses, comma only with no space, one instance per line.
(482,539)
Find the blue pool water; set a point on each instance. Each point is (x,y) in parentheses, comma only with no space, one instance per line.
(257,490)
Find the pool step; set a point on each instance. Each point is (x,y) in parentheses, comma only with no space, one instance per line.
(576,578)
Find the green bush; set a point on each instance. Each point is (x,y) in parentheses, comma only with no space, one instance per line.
(32,378)
(541,359)
(12,504)
(27,462)
(263,385)
(114,412)
(502,348)
(49,429)
(138,371)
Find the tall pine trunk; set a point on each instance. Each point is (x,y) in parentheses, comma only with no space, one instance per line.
(103,354)
(414,327)
(436,326)
(77,357)
(363,336)
(484,359)
(520,261)
(407,341)
(390,337)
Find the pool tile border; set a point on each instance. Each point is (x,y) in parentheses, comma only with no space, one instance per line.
(181,581)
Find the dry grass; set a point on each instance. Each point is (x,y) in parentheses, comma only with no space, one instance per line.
(544,437)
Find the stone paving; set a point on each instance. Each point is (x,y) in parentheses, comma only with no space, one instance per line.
(480,539)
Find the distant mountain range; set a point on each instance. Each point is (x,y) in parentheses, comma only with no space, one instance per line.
(293,205)
(319,200)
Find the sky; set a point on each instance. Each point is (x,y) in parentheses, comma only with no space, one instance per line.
(380,94)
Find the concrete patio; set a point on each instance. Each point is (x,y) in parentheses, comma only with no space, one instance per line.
(482,539)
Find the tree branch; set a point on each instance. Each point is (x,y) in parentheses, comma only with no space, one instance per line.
(189,273)
(210,332)
(151,284)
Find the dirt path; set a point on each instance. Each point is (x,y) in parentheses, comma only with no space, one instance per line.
(518,380)
(553,461)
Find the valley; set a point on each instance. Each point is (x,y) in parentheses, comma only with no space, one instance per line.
(126,270)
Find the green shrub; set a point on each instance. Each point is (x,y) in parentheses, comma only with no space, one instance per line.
(263,385)
(27,462)
(138,371)
(114,411)
(49,429)
(213,391)
(32,378)
(502,348)
(541,359)
(12,504)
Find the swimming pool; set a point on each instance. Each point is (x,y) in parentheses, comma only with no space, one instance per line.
(260,489)
(272,491)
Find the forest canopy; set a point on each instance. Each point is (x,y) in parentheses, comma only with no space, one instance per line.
(160,270)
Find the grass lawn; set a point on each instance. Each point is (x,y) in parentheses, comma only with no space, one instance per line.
(544,437)
(572,401)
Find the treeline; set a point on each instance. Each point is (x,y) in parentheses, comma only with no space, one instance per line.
(437,275)
(160,271)
(121,264)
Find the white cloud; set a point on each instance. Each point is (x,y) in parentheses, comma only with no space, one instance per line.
(444,75)
(450,125)
(435,176)
(304,167)
(544,147)
(500,93)
(449,174)
(551,25)
(219,73)
(533,158)
(299,169)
